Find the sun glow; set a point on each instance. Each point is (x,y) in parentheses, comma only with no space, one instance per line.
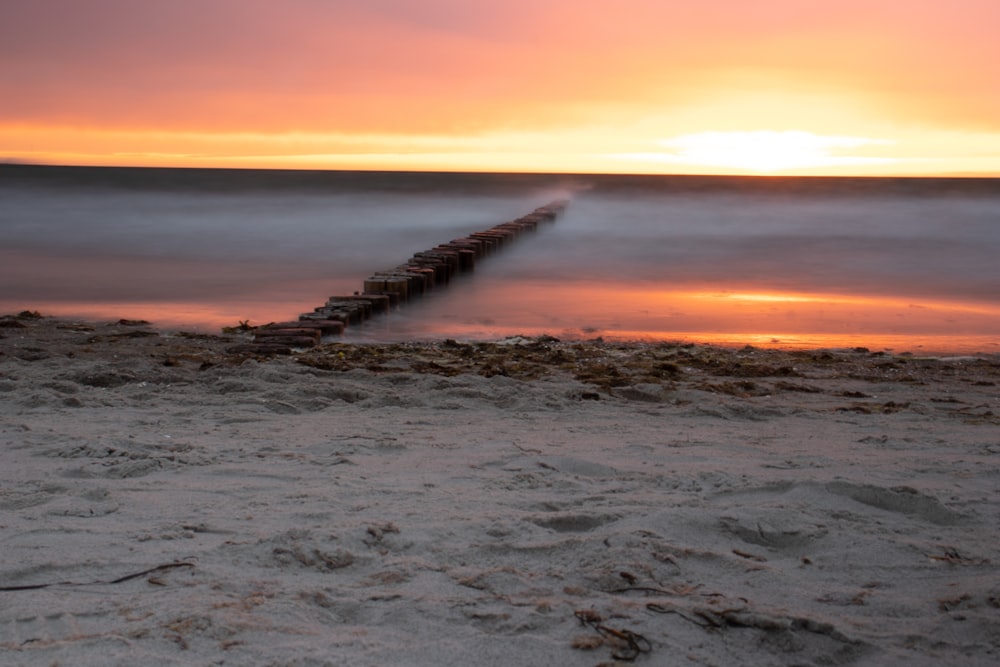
(762,151)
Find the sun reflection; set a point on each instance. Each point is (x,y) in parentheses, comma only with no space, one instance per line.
(706,313)
(588,309)
(775,298)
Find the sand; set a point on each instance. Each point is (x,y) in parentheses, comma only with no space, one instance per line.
(521,502)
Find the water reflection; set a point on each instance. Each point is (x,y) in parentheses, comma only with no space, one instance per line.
(618,311)
(633,257)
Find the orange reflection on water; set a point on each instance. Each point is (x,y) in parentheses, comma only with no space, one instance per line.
(632,312)
(830,313)
(168,315)
(701,313)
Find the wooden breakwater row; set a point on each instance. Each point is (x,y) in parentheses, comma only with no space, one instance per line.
(384,290)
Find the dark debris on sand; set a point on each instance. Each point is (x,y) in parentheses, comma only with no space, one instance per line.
(609,367)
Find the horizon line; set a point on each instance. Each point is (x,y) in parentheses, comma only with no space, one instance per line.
(735,174)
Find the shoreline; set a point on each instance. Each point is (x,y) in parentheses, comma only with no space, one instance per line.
(519,501)
(774,343)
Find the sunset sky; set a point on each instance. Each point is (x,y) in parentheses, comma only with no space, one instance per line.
(637,86)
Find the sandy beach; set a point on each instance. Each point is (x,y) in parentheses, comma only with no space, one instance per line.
(523,502)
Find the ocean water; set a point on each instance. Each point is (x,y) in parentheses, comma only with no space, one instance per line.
(794,262)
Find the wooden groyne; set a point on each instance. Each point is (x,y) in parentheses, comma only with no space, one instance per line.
(384,290)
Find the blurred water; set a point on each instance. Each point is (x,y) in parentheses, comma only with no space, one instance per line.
(759,259)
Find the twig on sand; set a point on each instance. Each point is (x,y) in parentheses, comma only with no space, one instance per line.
(127,577)
(631,644)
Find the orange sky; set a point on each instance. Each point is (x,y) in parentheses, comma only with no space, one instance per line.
(713,86)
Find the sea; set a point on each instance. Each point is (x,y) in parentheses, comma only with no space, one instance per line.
(896,264)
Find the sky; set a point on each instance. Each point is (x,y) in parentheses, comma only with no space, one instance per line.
(838,87)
